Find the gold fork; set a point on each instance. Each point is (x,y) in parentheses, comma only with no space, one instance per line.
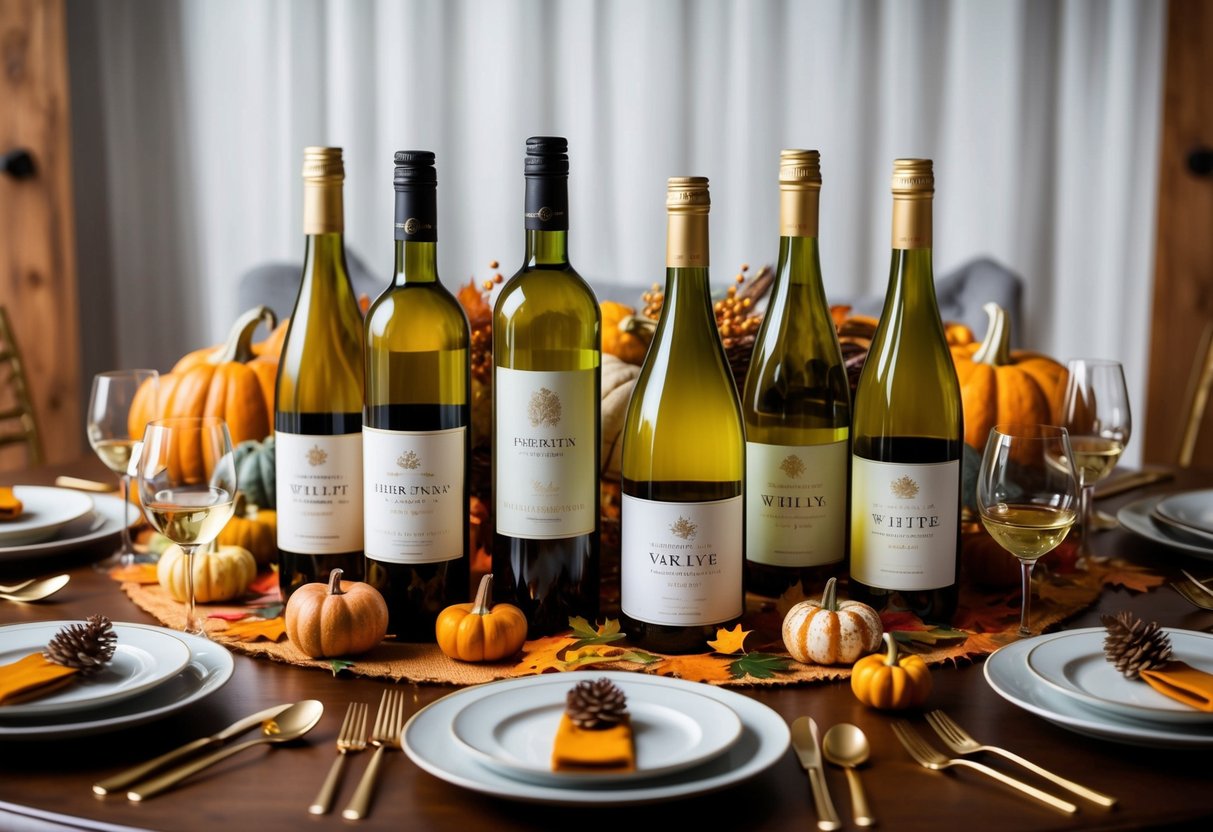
(350,740)
(961,742)
(928,757)
(389,722)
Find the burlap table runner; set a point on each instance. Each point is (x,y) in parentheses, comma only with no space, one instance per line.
(985,621)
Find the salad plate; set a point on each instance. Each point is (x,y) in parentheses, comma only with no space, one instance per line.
(45,511)
(512,730)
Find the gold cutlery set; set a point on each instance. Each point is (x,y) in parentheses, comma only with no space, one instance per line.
(846,746)
(33,590)
(278,724)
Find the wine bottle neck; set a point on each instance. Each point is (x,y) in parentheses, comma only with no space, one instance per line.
(800,264)
(798,210)
(912,221)
(416,232)
(688,302)
(550,248)
(323,212)
(416,262)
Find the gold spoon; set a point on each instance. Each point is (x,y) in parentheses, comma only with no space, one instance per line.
(37,590)
(847,746)
(289,725)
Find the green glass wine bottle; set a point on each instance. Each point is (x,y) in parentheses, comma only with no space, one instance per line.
(908,430)
(797,408)
(682,538)
(547,357)
(318,400)
(416,433)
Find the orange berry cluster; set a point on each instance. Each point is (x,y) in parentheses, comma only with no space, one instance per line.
(734,317)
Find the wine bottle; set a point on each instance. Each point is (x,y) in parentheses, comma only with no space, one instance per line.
(908,430)
(797,408)
(681,558)
(416,431)
(547,356)
(318,401)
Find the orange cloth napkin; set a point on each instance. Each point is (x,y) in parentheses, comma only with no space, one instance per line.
(584,749)
(31,677)
(10,506)
(1183,683)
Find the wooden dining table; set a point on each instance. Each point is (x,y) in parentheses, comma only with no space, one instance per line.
(47,784)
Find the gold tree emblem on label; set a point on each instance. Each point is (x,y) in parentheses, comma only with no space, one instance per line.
(409,460)
(316,456)
(904,487)
(544,408)
(684,528)
(793,466)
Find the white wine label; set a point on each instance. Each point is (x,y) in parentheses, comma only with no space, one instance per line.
(681,563)
(545,437)
(904,524)
(796,503)
(413,488)
(319,489)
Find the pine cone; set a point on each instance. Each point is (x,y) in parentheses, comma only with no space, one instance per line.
(597,704)
(1133,645)
(87,647)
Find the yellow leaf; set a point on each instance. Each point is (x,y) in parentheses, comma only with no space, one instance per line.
(542,655)
(704,667)
(251,629)
(729,641)
(138,573)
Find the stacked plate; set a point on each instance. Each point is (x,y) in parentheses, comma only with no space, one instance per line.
(690,738)
(155,671)
(57,519)
(1183,520)
(1065,678)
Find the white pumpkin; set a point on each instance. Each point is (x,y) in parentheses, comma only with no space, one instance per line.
(618,380)
(218,576)
(831,631)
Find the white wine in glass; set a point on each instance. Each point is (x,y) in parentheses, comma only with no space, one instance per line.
(1027,496)
(109,433)
(1094,409)
(187,485)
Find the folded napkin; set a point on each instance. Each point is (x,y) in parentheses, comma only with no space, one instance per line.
(10,506)
(31,677)
(586,749)
(1183,683)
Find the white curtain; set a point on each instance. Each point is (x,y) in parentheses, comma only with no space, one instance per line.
(1042,119)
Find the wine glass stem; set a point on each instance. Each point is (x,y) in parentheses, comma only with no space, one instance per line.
(191,623)
(1025,568)
(128,552)
(1087,501)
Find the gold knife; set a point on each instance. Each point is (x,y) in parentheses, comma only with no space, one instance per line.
(120,781)
(808,749)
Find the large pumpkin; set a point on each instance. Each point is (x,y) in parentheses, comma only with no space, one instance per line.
(340,618)
(618,380)
(1001,385)
(230,381)
(624,335)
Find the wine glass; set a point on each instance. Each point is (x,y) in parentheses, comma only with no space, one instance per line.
(111,436)
(187,484)
(1027,495)
(1095,410)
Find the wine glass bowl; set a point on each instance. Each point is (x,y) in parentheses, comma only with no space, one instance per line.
(109,426)
(187,485)
(1094,409)
(1028,495)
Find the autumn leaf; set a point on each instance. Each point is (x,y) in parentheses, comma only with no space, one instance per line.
(729,641)
(702,667)
(587,633)
(758,665)
(252,629)
(992,616)
(542,655)
(266,583)
(582,658)
(1132,577)
(270,610)
(930,638)
(901,620)
(474,304)
(338,665)
(137,573)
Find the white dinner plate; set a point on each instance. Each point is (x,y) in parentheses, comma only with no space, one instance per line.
(1192,509)
(1136,517)
(511,730)
(143,658)
(1007,672)
(105,520)
(1074,664)
(45,511)
(209,668)
(764,741)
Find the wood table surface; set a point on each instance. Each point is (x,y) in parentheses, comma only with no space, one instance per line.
(47,784)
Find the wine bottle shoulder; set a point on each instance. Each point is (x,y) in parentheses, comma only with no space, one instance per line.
(541,288)
(417,318)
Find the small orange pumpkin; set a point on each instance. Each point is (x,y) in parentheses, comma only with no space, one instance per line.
(623,334)
(890,683)
(475,633)
(340,618)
